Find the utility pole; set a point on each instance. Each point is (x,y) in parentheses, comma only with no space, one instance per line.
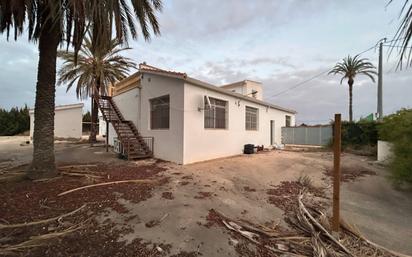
(380,81)
(336,173)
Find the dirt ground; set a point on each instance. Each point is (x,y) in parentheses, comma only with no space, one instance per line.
(170,218)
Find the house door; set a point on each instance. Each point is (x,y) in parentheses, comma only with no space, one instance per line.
(272,132)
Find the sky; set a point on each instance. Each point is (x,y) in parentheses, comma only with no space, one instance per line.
(279,43)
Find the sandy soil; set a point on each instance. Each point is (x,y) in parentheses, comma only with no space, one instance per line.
(172,219)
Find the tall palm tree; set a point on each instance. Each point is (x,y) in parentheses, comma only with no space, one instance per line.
(93,72)
(53,22)
(350,67)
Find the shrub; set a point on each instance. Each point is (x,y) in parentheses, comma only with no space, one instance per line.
(397,129)
(15,121)
(362,133)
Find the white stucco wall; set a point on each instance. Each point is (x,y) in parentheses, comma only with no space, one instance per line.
(102,126)
(187,141)
(252,86)
(128,104)
(384,151)
(168,143)
(67,121)
(203,144)
(246,87)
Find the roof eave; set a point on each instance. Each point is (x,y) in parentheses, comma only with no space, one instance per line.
(197,82)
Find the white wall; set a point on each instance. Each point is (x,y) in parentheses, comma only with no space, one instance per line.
(102,126)
(187,140)
(202,144)
(168,143)
(252,86)
(239,88)
(67,122)
(384,151)
(128,104)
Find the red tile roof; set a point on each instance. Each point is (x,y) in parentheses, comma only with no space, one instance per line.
(146,67)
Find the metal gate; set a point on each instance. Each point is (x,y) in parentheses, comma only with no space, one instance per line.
(316,135)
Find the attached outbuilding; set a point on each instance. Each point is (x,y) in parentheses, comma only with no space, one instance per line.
(67,121)
(188,120)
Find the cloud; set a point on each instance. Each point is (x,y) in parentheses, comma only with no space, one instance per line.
(280,43)
(214,18)
(18,75)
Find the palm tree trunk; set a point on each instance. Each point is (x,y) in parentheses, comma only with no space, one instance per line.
(350,82)
(94,118)
(92,136)
(43,164)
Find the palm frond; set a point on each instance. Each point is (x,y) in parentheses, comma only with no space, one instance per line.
(404,34)
(75,17)
(349,67)
(94,66)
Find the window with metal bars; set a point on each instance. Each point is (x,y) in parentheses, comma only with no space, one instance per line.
(160,112)
(216,114)
(251,118)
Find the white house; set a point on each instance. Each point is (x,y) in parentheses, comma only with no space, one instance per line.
(191,120)
(67,121)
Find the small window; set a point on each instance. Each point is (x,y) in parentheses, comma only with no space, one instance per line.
(251,118)
(288,121)
(216,115)
(160,112)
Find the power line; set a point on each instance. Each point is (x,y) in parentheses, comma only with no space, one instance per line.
(394,40)
(326,71)
(314,77)
(398,46)
(300,83)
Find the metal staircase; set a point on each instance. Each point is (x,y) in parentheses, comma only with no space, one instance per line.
(133,144)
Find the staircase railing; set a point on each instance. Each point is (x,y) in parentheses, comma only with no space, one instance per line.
(136,145)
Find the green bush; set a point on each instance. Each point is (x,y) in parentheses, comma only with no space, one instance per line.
(397,129)
(87,117)
(358,137)
(359,133)
(15,121)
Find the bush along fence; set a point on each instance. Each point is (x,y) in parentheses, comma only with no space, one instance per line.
(357,134)
(397,129)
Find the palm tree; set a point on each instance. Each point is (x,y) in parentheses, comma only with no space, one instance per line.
(349,68)
(94,72)
(404,34)
(54,22)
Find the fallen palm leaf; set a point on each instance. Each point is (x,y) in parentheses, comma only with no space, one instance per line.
(312,237)
(18,225)
(35,241)
(77,166)
(255,236)
(77,174)
(143,181)
(319,226)
(251,226)
(354,231)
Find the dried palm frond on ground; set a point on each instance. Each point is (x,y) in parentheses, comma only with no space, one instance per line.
(32,213)
(58,218)
(310,236)
(38,240)
(285,194)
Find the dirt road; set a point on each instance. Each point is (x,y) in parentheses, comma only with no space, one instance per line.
(175,213)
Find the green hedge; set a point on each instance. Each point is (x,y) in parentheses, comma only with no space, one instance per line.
(15,121)
(397,129)
(362,133)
